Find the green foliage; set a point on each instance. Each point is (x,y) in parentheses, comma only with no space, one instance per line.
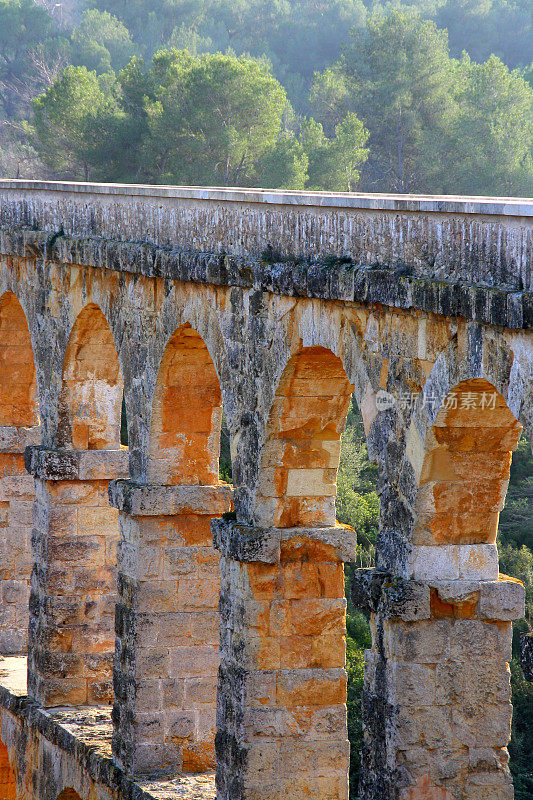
(355,669)
(397,76)
(65,121)
(435,124)
(491,137)
(483,27)
(516,519)
(101,42)
(29,46)
(521,746)
(211,118)
(357,501)
(285,165)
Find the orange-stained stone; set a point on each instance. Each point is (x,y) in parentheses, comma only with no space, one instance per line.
(303,436)
(263,580)
(466,609)
(91,396)
(8,782)
(199,756)
(186,415)
(18,384)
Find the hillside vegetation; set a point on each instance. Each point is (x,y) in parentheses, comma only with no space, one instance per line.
(428,96)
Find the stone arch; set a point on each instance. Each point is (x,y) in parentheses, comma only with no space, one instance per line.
(466,424)
(186,418)
(8,781)
(300,456)
(92,385)
(463,482)
(19,405)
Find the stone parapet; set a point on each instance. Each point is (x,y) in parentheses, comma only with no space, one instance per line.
(140,228)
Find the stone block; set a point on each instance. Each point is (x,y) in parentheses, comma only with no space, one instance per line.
(502,600)
(475,640)
(424,642)
(341,539)
(103,464)
(245,543)
(485,726)
(311,687)
(410,684)
(454,562)
(52,465)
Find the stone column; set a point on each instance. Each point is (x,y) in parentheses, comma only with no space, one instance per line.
(281,716)
(436,702)
(167,639)
(17,494)
(73,585)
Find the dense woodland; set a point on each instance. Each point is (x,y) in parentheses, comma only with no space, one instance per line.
(425,96)
(343,95)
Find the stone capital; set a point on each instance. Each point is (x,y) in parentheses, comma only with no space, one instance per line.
(150,500)
(250,544)
(75,465)
(394,597)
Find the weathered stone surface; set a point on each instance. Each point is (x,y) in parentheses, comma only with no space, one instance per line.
(273,308)
(165,501)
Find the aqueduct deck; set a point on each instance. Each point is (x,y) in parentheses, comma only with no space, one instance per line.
(158,625)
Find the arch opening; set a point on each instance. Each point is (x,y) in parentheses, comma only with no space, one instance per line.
(179,566)
(19,405)
(300,630)
(92,390)
(186,415)
(300,457)
(464,478)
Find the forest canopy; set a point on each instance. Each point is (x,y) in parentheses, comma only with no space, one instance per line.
(428,96)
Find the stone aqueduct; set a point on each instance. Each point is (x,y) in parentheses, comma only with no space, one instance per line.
(211,618)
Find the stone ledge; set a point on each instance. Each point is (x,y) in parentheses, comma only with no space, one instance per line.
(392,286)
(146,500)
(72,465)
(250,544)
(502,600)
(16,440)
(85,734)
(393,597)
